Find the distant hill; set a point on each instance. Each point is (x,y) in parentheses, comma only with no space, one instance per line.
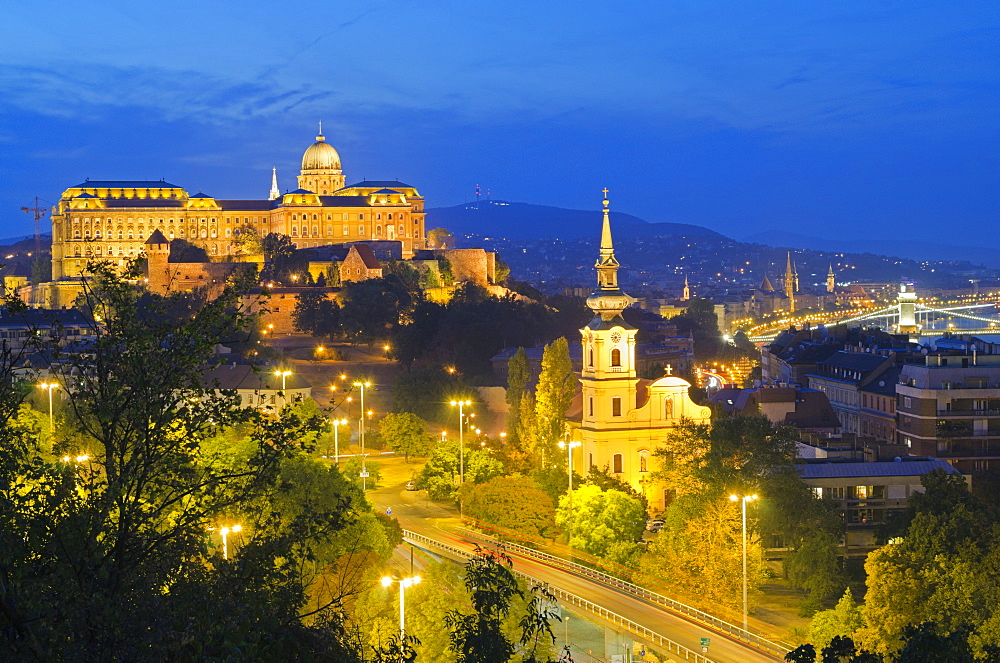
(523,221)
(904,248)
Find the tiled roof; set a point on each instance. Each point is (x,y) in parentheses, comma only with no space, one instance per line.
(125,184)
(247,205)
(854,361)
(367,256)
(142,202)
(381,184)
(344,201)
(904,468)
(156,237)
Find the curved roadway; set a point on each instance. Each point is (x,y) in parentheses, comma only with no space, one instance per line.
(418,514)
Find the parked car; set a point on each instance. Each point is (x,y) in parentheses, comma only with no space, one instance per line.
(654,524)
(411,485)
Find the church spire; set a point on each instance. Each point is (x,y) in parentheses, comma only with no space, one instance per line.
(687,289)
(790,283)
(275,192)
(607,301)
(831,280)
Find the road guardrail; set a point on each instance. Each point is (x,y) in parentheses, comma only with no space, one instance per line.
(623,622)
(638,591)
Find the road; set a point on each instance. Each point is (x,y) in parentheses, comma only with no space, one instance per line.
(418,514)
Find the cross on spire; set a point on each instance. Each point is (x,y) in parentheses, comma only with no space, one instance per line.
(668,369)
(605,190)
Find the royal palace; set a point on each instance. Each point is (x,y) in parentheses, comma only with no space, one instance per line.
(111,220)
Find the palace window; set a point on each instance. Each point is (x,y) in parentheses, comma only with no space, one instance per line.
(616,406)
(215,232)
(315,218)
(402,231)
(295,231)
(315,230)
(361,231)
(76,233)
(204,233)
(617,464)
(97,233)
(329,230)
(616,357)
(130,234)
(378,230)
(229,232)
(590,357)
(346,231)
(378,217)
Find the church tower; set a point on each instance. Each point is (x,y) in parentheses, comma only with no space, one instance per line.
(791,284)
(321,172)
(275,192)
(831,280)
(619,419)
(687,289)
(609,377)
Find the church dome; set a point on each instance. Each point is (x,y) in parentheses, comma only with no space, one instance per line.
(321,156)
(670,381)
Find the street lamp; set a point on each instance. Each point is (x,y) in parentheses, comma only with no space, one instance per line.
(461,439)
(361,429)
(337,423)
(283,375)
(403,584)
(225,540)
(743,499)
(49,386)
(569,446)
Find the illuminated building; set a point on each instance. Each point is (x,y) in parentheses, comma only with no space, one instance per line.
(619,418)
(112,219)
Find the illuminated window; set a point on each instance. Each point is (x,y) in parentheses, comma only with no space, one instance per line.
(616,464)
(616,357)
(616,406)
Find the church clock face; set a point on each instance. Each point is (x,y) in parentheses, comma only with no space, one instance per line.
(616,337)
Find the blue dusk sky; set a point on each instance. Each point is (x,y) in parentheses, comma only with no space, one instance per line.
(859,118)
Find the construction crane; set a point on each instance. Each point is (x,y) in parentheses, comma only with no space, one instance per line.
(39,212)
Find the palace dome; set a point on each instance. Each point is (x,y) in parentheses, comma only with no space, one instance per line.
(321,156)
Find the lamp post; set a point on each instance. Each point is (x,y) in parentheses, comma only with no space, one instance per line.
(225,538)
(403,584)
(283,375)
(743,499)
(337,423)
(361,433)
(569,446)
(49,386)
(461,439)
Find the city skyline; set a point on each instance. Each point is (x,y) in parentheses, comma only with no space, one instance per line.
(739,119)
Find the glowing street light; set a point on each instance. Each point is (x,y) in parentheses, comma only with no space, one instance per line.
(403,584)
(337,423)
(461,439)
(743,499)
(283,375)
(49,386)
(361,429)
(569,446)
(225,538)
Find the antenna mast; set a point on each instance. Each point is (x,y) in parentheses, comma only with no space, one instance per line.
(39,212)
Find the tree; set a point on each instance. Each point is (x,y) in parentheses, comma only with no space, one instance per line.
(479,637)
(517,381)
(279,256)
(405,433)
(372,309)
(114,557)
(316,314)
(512,503)
(444,271)
(41,269)
(843,620)
(182,250)
(600,518)
(439,238)
(248,241)
(556,386)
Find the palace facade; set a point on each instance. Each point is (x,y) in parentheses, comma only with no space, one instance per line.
(111,220)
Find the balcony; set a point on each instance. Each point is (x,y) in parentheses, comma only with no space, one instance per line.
(968,413)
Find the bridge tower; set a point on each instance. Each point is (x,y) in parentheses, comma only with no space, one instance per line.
(907,303)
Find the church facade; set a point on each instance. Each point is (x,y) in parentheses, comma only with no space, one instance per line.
(111,220)
(618,418)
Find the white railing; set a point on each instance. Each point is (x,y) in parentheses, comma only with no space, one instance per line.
(616,619)
(641,592)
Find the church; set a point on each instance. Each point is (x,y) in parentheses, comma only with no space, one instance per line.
(619,419)
(112,219)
